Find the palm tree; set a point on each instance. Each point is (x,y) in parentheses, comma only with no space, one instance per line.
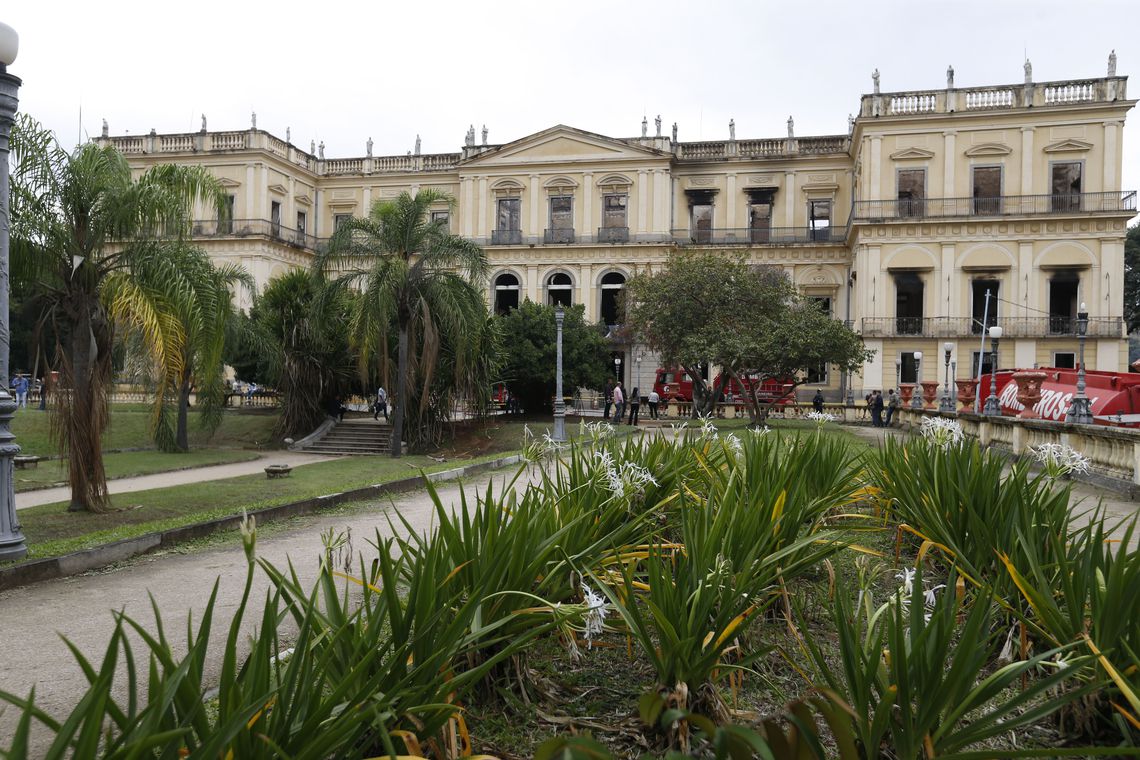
(416,276)
(86,236)
(197,293)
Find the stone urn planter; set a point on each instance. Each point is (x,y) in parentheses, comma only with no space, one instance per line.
(966,391)
(278,471)
(929,392)
(906,390)
(1029,391)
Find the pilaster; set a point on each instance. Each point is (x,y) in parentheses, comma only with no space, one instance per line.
(1026,161)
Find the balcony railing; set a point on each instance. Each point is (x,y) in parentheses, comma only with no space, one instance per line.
(613,234)
(506,237)
(558,236)
(1007,205)
(995,97)
(1012,327)
(759,236)
(240,228)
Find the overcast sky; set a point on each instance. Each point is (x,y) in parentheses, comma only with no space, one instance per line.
(342,72)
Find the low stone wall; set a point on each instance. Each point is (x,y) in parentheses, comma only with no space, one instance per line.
(1114,452)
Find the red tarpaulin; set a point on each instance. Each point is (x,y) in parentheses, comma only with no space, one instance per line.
(1109,393)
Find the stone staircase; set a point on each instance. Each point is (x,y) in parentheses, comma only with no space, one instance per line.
(355,436)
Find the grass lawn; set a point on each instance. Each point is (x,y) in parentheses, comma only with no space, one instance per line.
(126,464)
(130,429)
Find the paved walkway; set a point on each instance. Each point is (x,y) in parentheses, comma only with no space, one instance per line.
(175,477)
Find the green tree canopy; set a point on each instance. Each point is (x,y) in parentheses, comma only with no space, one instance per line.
(747,318)
(91,240)
(530,358)
(1132,278)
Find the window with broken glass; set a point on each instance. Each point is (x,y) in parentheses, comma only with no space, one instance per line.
(509,214)
(912,192)
(442,218)
(614,211)
(819,219)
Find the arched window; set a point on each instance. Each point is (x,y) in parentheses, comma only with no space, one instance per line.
(506,293)
(559,289)
(612,285)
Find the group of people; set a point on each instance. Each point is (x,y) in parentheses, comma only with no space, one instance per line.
(876,403)
(336,407)
(614,396)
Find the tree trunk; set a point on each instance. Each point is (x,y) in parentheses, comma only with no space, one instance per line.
(401,404)
(749,394)
(704,400)
(181,435)
(82,406)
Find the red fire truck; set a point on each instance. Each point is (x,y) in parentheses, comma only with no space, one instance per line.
(1114,397)
(674,384)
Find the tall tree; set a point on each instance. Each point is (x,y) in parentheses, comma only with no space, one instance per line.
(530,353)
(1132,278)
(82,227)
(419,280)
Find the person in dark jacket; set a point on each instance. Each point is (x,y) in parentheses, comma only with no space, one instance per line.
(634,405)
(817,401)
(608,399)
(337,409)
(877,409)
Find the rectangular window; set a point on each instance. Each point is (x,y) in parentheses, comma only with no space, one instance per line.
(614,211)
(760,204)
(823,302)
(908,372)
(1066,186)
(509,214)
(226,220)
(562,212)
(275,218)
(702,221)
(982,318)
(302,221)
(1063,288)
(987,360)
(908,304)
(442,218)
(819,219)
(987,189)
(339,220)
(817,375)
(912,192)
(1064,360)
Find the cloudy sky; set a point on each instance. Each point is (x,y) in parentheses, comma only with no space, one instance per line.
(341,72)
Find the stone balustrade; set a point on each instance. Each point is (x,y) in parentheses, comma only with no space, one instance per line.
(1114,452)
(720,149)
(1007,96)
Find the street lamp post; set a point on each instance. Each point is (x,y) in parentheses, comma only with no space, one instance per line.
(617,368)
(993,406)
(947,404)
(1080,410)
(916,399)
(12,545)
(559,404)
(898,375)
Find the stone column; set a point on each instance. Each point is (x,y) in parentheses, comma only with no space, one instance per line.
(660,222)
(249,212)
(532,283)
(586,292)
(1111,130)
(536,226)
(367,200)
(1027,158)
(481,229)
(642,201)
(467,208)
(948,281)
(791,200)
(948,140)
(587,207)
(730,201)
(874,190)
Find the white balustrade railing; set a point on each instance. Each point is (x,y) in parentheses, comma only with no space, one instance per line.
(768,147)
(344,166)
(129,144)
(393,164)
(989,97)
(276,146)
(228,140)
(913,102)
(175,143)
(1070,92)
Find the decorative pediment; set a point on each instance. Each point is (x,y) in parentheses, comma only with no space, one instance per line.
(615,181)
(304,200)
(762,180)
(507,186)
(227,182)
(989,149)
(276,188)
(700,181)
(561,144)
(820,188)
(1070,145)
(560,185)
(907,154)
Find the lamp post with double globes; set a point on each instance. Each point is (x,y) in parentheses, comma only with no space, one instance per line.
(947,403)
(12,545)
(559,404)
(916,399)
(617,368)
(993,405)
(1080,410)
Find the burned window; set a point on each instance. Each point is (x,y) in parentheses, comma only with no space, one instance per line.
(701,215)
(817,375)
(442,218)
(562,212)
(760,214)
(275,218)
(908,304)
(1066,186)
(506,293)
(983,316)
(614,211)
(819,219)
(908,367)
(302,222)
(339,220)
(509,214)
(612,285)
(559,289)
(823,303)
(912,192)
(987,189)
(1064,360)
(983,362)
(1063,287)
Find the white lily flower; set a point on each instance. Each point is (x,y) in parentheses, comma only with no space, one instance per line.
(1059,460)
(942,432)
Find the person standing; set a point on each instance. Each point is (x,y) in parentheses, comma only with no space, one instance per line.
(634,405)
(21,387)
(381,404)
(337,409)
(877,409)
(608,398)
(619,403)
(892,405)
(817,400)
(653,400)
